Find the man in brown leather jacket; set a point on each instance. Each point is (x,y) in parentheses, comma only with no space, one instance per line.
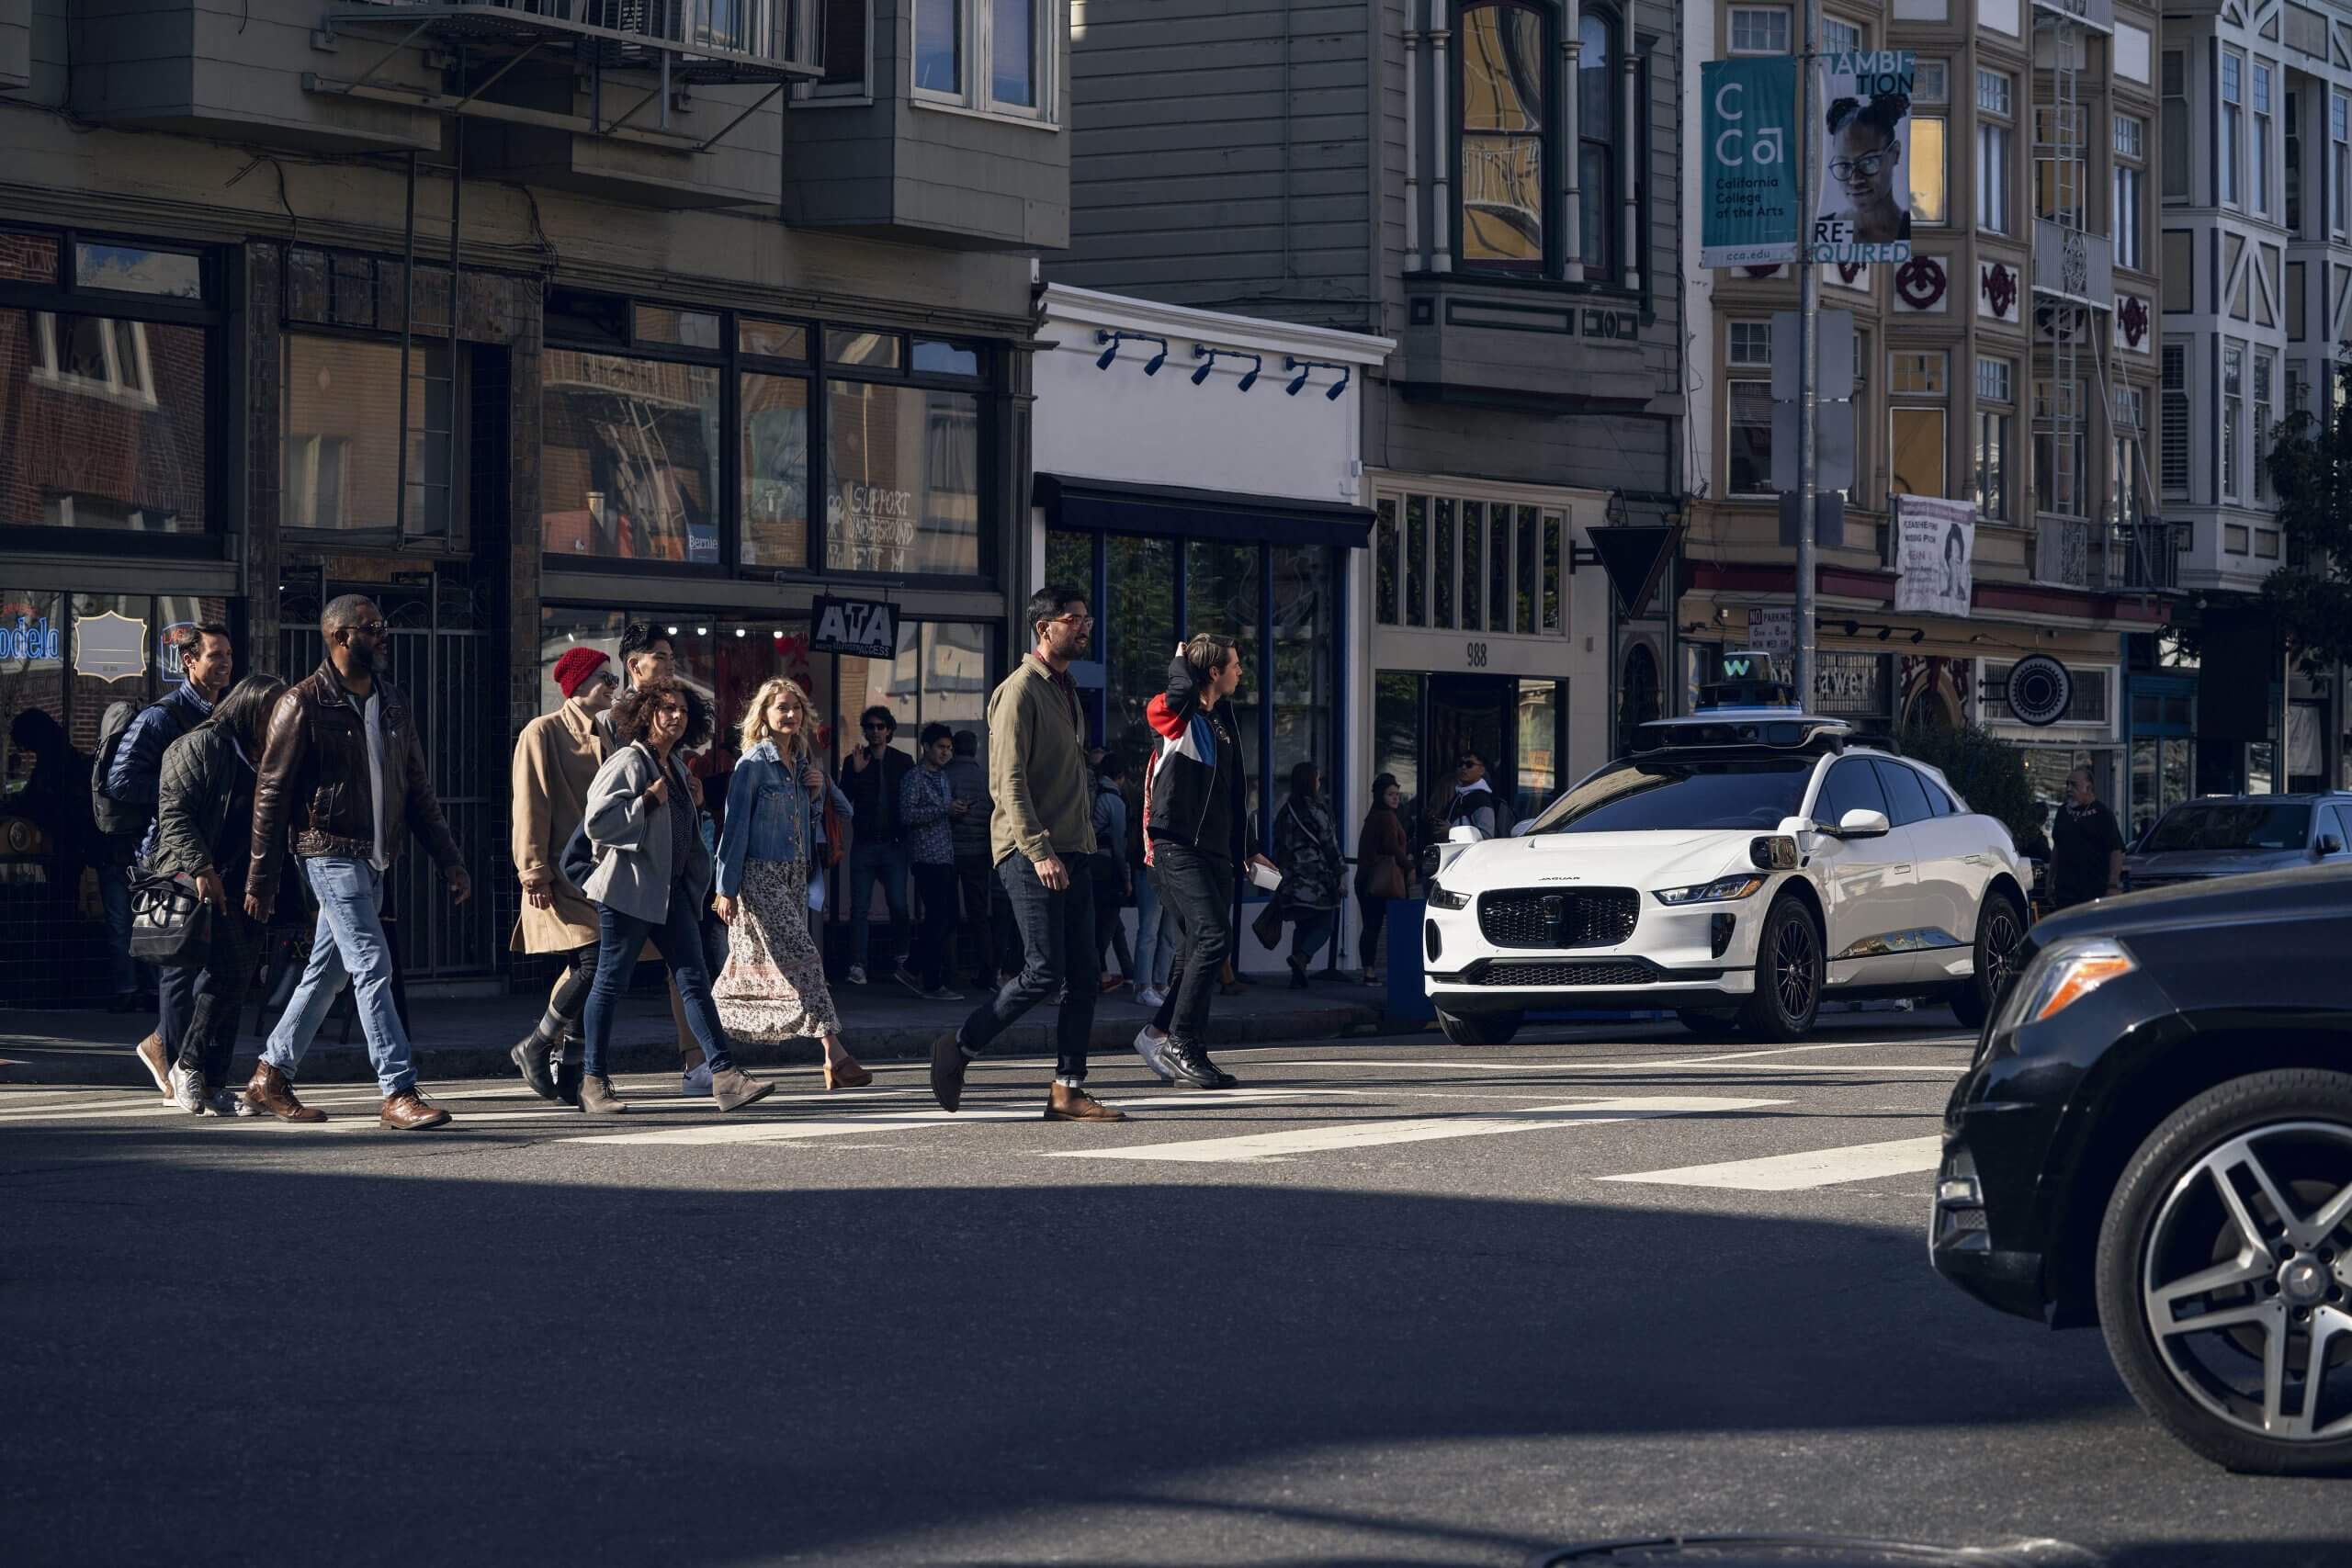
(342,776)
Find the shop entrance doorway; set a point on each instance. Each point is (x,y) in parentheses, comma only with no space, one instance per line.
(1424,724)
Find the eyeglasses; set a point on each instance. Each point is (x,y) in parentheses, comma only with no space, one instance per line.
(367,628)
(1866,166)
(1070,620)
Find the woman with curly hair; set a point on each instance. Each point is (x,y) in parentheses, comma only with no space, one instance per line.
(773,985)
(652,873)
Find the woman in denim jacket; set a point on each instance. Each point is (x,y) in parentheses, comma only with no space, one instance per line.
(774,986)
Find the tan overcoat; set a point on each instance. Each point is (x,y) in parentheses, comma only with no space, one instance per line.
(555,760)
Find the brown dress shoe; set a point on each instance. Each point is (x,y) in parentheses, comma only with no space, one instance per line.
(732,1087)
(408,1112)
(150,1052)
(270,1091)
(1064,1103)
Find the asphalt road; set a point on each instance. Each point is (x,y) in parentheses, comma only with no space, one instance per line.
(1389,1304)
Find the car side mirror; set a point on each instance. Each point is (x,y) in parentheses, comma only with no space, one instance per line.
(2329,844)
(1462,833)
(1863,823)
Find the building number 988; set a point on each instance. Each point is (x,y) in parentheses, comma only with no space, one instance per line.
(1475,653)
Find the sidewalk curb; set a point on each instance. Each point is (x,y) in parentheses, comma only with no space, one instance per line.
(348,1064)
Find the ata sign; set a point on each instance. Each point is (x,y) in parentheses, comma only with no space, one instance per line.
(863,628)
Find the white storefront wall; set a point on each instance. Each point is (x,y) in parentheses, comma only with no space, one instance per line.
(1117,425)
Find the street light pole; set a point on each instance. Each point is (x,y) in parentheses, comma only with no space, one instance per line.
(1808,357)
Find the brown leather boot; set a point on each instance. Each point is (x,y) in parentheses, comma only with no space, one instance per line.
(271,1092)
(732,1087)
(150,1052)
(407,1111)
(1064,1103)
(596,1096)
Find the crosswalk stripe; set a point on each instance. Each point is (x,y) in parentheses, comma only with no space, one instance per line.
(766,1130)
(1949,1070)
(1792,1173)
(1415,1130)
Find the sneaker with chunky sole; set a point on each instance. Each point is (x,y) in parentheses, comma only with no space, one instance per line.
(227,1102)
(187,1090)
(694,1080)
(1152,1046)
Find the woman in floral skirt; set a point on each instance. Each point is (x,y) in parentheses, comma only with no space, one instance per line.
(773,988)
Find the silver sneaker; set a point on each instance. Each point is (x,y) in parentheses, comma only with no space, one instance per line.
(187,1090)
(1150,1045)
(227,1102)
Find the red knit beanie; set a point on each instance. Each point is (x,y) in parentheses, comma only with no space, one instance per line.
(575,666)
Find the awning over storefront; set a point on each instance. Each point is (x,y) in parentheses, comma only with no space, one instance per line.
(1109,507)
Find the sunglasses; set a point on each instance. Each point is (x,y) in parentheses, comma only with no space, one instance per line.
(367,628)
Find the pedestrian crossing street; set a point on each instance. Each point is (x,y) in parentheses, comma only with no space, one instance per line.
(1778,1120)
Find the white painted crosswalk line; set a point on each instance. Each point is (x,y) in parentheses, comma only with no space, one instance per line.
(766,1130)
(1415,1130)
(1792,1173)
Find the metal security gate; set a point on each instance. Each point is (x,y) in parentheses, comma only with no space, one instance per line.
(444,661)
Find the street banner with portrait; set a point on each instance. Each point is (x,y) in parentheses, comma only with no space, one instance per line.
(1862,189)
(1750,213)
(1935,554)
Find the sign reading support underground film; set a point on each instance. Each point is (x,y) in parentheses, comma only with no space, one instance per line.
(1750,214)
(1862,190)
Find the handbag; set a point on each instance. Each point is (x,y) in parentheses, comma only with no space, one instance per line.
(1268,927)
(171,924)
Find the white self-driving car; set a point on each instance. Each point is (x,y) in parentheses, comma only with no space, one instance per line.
(1740,868)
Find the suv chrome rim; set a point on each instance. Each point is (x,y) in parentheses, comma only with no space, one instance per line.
(2246,1282)
(1793,967)
(2001,939)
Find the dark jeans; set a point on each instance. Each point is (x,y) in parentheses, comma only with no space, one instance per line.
(174,1004)
(1109,931)
(867,862)
(1375,916)
(1198,889)
(935,949)
(1057,948)
(679,939)
(987,920)
(208,1038)
(114,893)
(1314,928)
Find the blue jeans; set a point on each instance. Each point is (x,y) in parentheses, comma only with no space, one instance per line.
(679,938)
(1057,950)
(1156,935)
(867,862)
(347,948)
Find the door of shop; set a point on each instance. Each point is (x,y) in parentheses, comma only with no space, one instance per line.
(443,661)
(1518,726)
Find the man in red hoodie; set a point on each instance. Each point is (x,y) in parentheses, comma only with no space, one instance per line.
(1192,820)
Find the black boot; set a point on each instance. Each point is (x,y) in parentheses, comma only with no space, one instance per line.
(530,1058)
(564,1062)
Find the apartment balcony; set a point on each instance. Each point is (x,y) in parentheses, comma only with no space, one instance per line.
(2094,556)
(682,40)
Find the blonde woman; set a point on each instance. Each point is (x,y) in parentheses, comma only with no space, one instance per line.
(773,985)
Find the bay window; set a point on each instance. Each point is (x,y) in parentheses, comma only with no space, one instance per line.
(1505,117)
(2258,176)
(2231,152)
(1596,133)
(1996,436)
(992,56)
(2129,184)
(1749,435)
(1994,140)
(1916,447)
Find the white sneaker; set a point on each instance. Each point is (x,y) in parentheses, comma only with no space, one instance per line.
(229,1102)
(694,1080)
(1150,998)
(187,1090)
(1150,1044)
(857,976)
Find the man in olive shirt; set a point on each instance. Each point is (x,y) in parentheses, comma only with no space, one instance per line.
(2085,847)
(1041,834)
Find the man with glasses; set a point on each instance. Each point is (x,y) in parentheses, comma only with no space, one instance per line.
(1040,837)
(343,773)
(871,776)
(647,654)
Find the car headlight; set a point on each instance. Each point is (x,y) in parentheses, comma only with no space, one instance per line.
(2064,976)
(1739,885)
(1439,898)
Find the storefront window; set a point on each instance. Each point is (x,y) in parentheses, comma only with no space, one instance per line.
(776,471)
(340,413)
(105,421)
(1543,714)
(1221,596)
(1397,737)
(904,466)
(1135,635)
(630,465)
(32,681)
(1299,682)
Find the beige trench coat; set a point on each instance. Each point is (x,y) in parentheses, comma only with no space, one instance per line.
(556,759)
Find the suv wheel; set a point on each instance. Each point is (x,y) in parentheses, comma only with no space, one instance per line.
(2224,1273)
(1787,974)
(2000,932)
(1479,1028)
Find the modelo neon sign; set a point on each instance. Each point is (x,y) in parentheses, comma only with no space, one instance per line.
(28,639)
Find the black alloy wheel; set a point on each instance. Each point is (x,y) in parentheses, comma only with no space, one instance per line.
(2000,932)
(2224,1273)
(1789,971)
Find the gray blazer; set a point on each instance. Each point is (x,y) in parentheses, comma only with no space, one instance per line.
(632,838)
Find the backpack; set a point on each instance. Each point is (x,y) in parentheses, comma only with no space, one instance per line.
(114,818)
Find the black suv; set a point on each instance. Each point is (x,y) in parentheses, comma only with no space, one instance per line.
(2155,1135)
